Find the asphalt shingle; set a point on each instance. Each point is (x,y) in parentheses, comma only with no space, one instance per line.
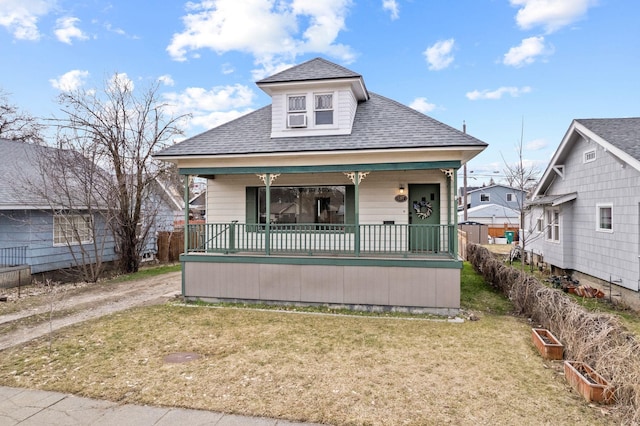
(623,133)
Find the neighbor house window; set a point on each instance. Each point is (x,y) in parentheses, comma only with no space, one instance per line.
(590,156)
(72,229)
(324,109)
(302,205)
(511,197)
(484,198)
(553,225)
(605,217)
(539,224)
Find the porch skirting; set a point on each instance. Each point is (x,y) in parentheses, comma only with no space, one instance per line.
(417,285)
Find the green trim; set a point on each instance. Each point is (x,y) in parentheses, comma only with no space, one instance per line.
(369,167)
(333,261)
(184,281)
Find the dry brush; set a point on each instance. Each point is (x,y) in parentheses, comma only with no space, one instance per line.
(598,339)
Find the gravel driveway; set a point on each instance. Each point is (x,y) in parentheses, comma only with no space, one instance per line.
(70,307)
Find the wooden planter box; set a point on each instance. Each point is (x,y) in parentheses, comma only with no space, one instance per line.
(547,344)
(587,382)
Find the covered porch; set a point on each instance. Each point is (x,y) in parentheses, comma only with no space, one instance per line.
(408,260)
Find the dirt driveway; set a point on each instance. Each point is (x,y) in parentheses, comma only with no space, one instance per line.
(37,312)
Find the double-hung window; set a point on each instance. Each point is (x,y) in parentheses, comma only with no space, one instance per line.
(324,108)
(484,198)
(604,217)
(553,225)
(72,229)
(296,111)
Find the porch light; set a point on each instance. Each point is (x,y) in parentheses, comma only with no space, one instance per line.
(401,189)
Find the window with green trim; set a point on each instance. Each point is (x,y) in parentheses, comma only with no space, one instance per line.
(302,204)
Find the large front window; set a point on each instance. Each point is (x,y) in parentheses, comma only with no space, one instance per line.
(303,204)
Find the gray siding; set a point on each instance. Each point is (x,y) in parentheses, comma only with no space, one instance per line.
(497,195)
(582,248)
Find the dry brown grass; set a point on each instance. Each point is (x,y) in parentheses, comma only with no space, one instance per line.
(599,339)
(308,367)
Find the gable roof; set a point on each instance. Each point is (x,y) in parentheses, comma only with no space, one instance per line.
(21,168)
(497,185)
(380,123)
(618,136)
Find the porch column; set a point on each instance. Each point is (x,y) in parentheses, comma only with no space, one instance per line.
(455,216)
(267,225)
(356,213)
(186,213)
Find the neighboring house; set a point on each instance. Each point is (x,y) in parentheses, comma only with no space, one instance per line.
(332,194)
(584,215)
(501,195)
(491,214)
(198,206)
(164,208)
(42,227)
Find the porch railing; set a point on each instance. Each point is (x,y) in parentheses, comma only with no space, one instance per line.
(309,239)
(13,256)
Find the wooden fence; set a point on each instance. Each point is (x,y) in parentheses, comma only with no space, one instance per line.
(170,245)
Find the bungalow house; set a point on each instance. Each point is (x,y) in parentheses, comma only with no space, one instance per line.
(584,215)
(41,226)
(331,194)
(498,194)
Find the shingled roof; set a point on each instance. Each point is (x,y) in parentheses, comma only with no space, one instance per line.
(380,123)
(315,69)
(623,133)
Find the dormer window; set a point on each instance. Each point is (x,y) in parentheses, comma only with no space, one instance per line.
(296,109)
(324,109)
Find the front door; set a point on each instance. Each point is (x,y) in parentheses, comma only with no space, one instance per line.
(424,209)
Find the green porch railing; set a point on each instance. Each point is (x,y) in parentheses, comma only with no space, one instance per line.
(328,239)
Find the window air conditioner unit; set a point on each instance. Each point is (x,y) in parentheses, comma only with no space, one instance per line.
(297,120)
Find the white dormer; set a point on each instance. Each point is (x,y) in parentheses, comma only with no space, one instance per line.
(313,99)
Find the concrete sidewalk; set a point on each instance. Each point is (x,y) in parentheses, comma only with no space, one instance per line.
(33,407)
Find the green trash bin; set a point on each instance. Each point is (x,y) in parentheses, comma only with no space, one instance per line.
(509,236)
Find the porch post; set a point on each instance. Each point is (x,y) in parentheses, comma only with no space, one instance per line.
(356,211)
(455,216)
(186,214)
(267,225)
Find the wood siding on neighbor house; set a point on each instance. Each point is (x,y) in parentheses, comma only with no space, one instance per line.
(601,254)
(34,229)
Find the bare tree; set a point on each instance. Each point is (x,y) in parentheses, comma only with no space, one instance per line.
(523,177)
(16,124)
(121,130)
(75,191)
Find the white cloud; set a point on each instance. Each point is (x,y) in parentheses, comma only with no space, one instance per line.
(550,14)
(120,82)
(20,17)
(421,104)
(166,80)
(439,55)
(514,92)
(210,108)
(392,7)
(70,81)
(227,68)
(527,52)
(66,30)
(273,32)
(536,145)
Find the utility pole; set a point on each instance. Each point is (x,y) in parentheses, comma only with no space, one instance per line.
(464,180)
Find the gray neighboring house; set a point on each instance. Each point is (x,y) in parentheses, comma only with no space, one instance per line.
(584,215)
(331,194)
(164,206)
(31,225)
(497,194)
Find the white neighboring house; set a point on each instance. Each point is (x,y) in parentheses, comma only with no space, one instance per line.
(584,215)
(491,214)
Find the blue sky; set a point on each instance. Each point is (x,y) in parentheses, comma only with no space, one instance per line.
(505,67)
